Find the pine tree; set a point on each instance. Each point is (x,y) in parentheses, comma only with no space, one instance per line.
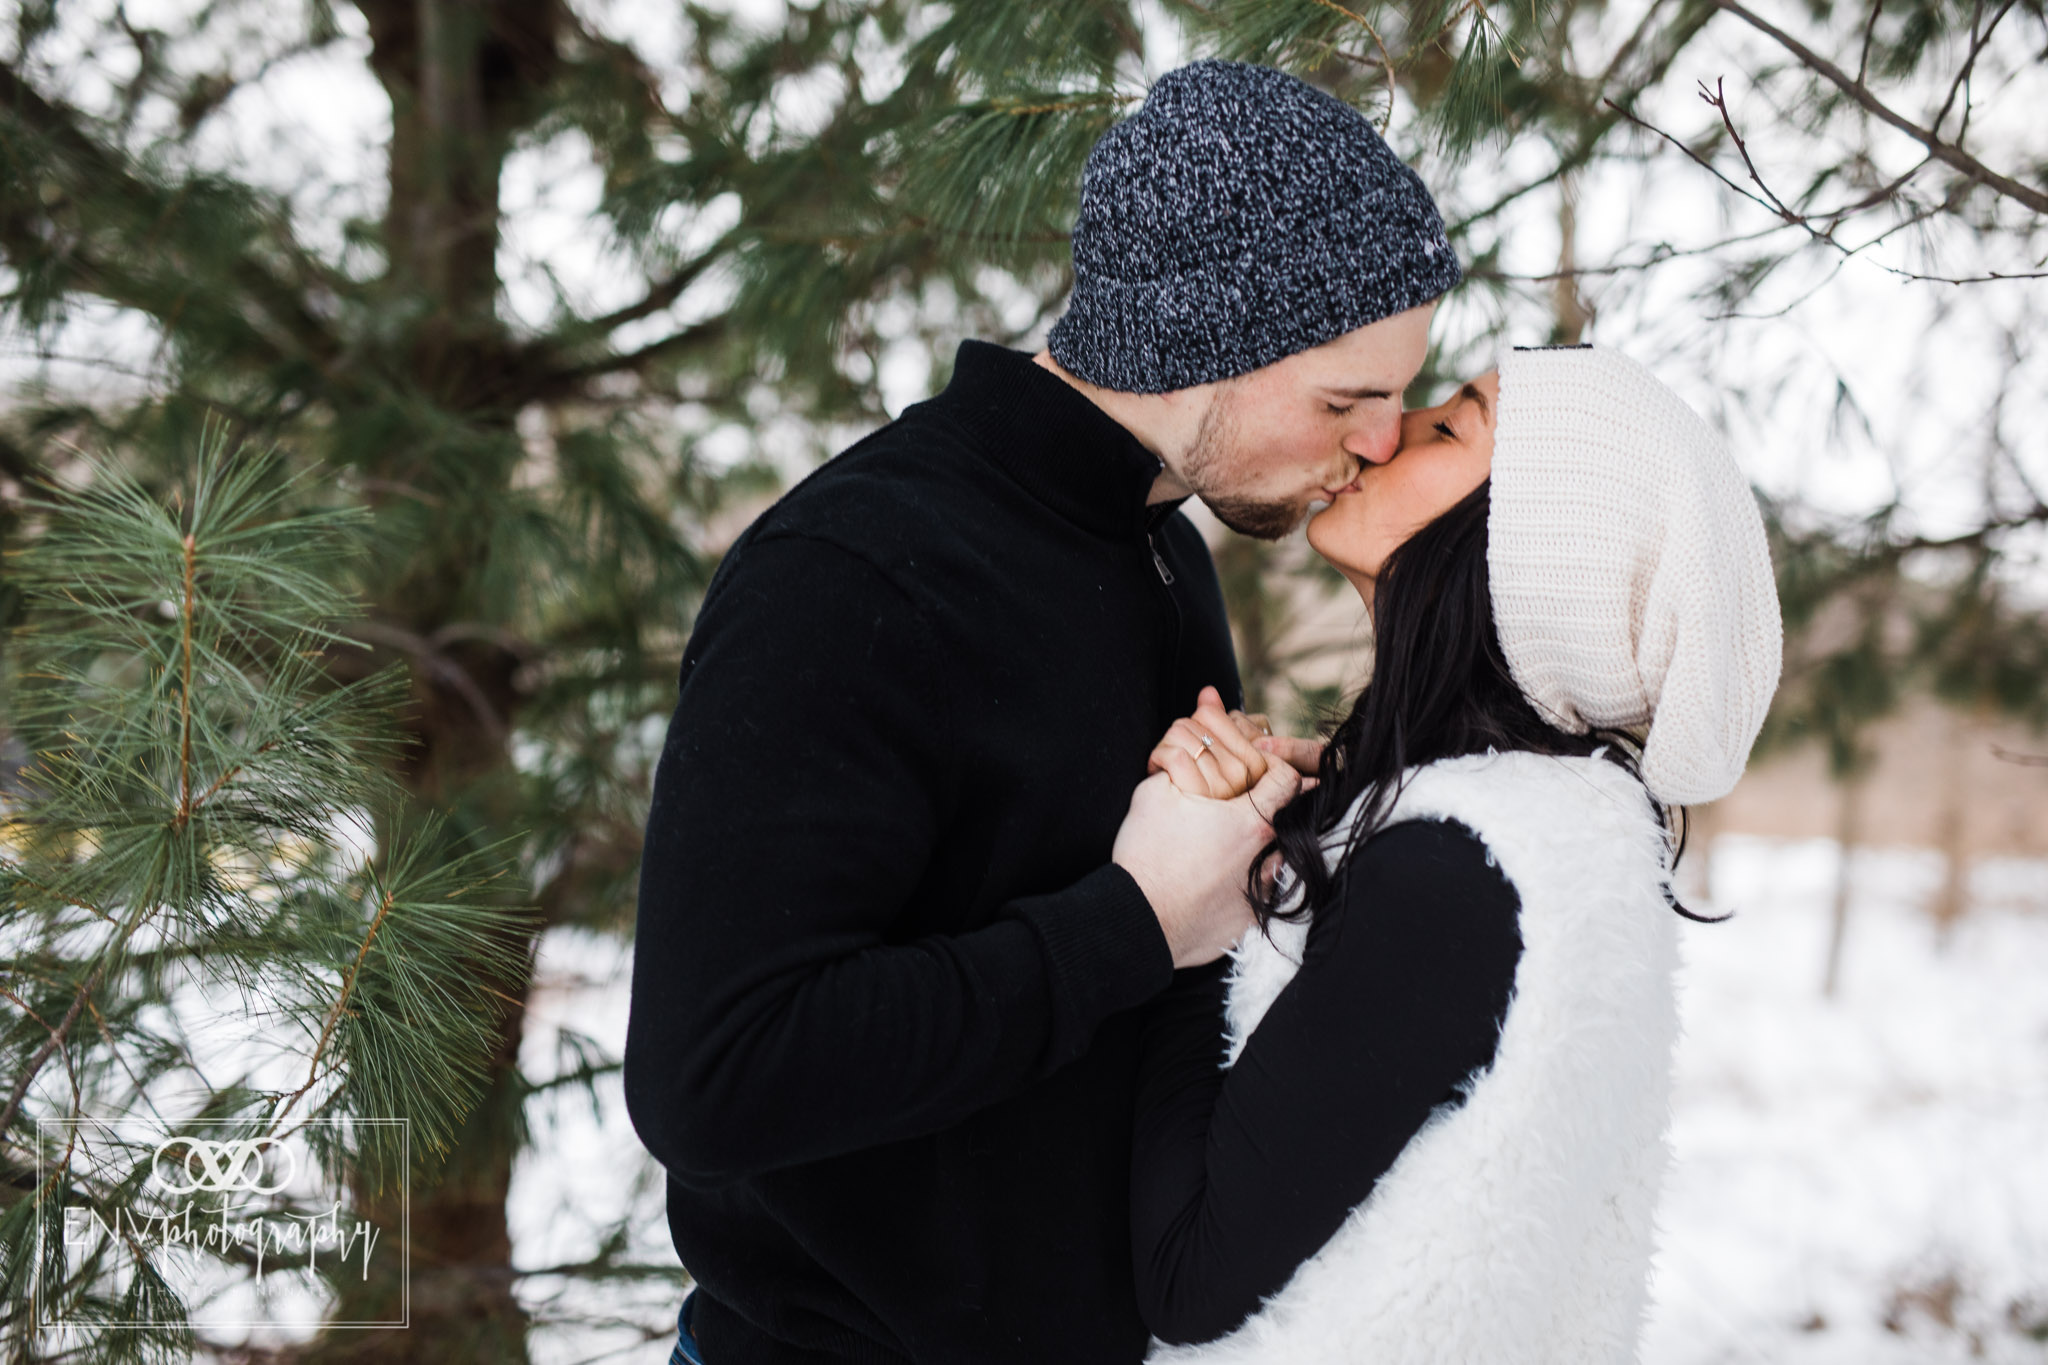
(182,868)
(538,506)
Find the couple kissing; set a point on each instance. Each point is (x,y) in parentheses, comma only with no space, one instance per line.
(1004,993)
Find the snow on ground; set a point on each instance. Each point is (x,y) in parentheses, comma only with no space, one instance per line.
(586,1171)
(1859,1181)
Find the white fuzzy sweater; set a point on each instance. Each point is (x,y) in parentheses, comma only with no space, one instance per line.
(1516,1227)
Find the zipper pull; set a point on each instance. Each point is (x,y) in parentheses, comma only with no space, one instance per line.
(1158,562)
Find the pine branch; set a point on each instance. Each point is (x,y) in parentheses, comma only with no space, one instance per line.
(165,645)
(568,379)
(282,305)
(15,1097)
(416,1019)
(191,609)
(17,463)
(348,985)
(1386,57)
(989,183)
(997,46)
(1593,135)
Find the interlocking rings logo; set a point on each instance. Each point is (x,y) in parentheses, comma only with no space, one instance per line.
(226,1166)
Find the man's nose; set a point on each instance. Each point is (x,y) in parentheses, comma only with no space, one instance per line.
(1375,444)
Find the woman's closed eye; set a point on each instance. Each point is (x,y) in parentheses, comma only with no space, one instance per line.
(1444,428)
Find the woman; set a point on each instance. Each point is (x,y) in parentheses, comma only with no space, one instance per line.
(1438,1127)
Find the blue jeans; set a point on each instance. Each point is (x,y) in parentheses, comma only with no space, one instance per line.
(686,1352)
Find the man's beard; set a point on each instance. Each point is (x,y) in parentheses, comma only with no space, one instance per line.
(1218,459)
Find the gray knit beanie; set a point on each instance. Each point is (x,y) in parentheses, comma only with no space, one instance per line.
(1240,216)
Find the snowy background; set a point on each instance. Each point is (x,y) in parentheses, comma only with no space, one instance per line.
(1860,1181)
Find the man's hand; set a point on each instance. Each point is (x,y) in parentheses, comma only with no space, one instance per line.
(1191,856)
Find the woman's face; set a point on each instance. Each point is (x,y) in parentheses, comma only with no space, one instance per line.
(1445,452)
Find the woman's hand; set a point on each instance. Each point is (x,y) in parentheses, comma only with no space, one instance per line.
(1223,754)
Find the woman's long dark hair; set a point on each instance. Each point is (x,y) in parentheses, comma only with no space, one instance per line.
(1440,688)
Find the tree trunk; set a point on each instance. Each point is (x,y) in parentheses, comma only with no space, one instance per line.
(1952,832)
(1848,833)
(1696,871)
(1567,303)
(455,1291)
(461,76)
(462,1305)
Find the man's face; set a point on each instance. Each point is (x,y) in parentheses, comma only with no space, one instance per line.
(1297,431)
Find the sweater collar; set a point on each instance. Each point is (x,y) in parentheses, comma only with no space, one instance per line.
(1045,434)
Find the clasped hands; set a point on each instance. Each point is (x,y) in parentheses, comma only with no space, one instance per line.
(1223,754)
(1201,817)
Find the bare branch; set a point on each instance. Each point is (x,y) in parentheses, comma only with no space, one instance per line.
(438,666)
(1977,42)
(1780,312)
(1788,218)
(663,294)
(1883,192)
(1947,152)
(2033,516)
(1697,159)
(1658,254)
(1719,100)
(1869,32)
(207,93)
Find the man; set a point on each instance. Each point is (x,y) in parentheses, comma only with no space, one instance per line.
(894,922)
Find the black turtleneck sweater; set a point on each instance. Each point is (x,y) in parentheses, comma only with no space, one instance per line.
(883,1032)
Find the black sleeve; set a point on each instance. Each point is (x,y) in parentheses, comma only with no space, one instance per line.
(1239,1176)
(774,1019)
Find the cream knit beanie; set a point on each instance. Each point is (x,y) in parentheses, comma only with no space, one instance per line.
(1631,582)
